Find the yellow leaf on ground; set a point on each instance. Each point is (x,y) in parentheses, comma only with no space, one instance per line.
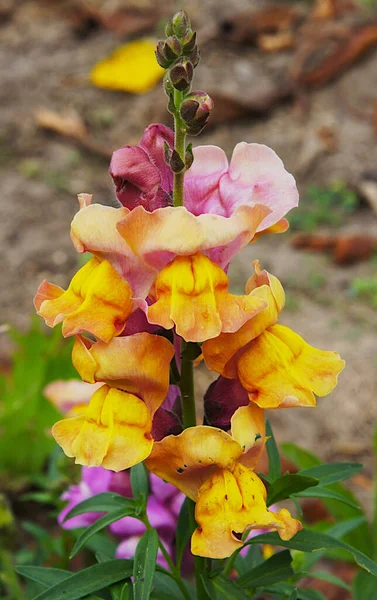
(130,68)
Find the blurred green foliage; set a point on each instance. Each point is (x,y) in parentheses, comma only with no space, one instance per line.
(366,288)
(26,416)
(328,206)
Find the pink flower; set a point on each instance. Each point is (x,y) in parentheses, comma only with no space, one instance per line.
(140,173)
(255,175)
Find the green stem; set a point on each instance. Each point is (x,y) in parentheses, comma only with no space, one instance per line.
(10,577)
(174,570)
(179,146)
(187,392)
(230,563)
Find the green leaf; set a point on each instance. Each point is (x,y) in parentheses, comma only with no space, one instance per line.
(92,579)
(166,588)
(287,485)
(105,502)
(276,568)
(332,472)
(312,541)
(183,532)
(145,565)
(290,591)
(364,587)
(330,578)
(274,466)
(300,457)
(220,588)
(101,523)
(43,576)
(139,484)
(325,493)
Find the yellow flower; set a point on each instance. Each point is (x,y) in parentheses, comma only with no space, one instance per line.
(192,294)
(97,301)
(130,68)
(114,433)
(272,362)
(214,469)
(115,429)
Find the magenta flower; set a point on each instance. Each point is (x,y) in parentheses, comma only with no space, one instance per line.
(140,173)
(255,175)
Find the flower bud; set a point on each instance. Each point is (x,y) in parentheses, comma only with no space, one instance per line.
(168,88)
(181,74)
(188,42)
(172,48)
(160,56)
(194,57)
(169,28)
(195,111)
(181,23)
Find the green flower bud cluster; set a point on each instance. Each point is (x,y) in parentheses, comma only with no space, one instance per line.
(179,52)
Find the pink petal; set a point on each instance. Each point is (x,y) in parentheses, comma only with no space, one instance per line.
(202,181)
(153,142)
(257,176)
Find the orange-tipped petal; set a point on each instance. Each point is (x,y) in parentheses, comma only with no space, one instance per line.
(115,433)
(220,354)
(188,459)
(138,364)
(230,503)
(94,229)
(98,301)
(192,294)
(279,369)
(280,227)
(158,236)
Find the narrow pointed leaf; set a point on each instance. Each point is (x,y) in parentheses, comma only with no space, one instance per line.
(101,523)
(220,588)
(145,565)
(333,472)
(325,493)
(94,578)
(105,502)
(312,541)
(183,532)
(139,484)
(287,485)
(275,569)
(274,466)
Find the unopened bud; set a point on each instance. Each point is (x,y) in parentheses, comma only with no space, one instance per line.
(172,48)
(181,74)
(169,28)
(194,57)
(189,156)
(181,23)
(196,107)
(168,88)
(188,42)
(176,163)
(160,56)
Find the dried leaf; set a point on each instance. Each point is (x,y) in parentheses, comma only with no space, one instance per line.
(328,53)
(130,68)
(245,27)
(68,124)
(283,40)
(345,249)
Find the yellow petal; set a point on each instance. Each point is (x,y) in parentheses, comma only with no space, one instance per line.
(230,503)
(279,368)
(188,459)
(249,430)
(130,68)
(115,433)
(139,364)
(220,353)
(192,294)
(98,301)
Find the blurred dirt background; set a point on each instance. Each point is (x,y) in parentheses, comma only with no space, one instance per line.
(313,99)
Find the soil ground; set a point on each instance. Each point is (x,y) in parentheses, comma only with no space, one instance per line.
(45,64)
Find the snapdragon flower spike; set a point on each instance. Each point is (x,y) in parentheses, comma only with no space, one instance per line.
(140,173)
(115,430)
(215,469)
(255,175)
(276,367)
